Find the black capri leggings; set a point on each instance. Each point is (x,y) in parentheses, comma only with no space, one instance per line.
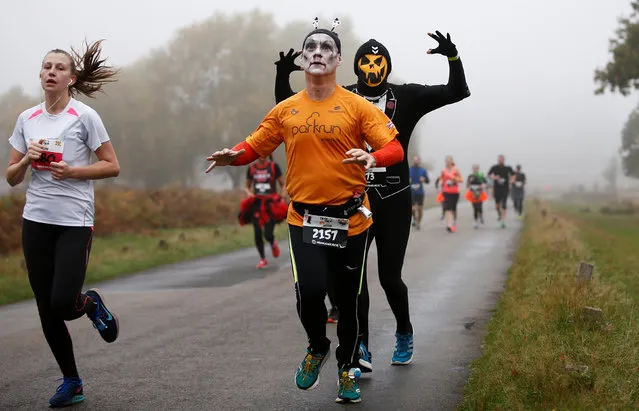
(313,268)
(450,202)
(57,258)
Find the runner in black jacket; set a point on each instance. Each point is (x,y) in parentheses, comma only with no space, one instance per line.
(388,188)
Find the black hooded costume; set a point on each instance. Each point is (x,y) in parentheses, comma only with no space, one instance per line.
(388,188)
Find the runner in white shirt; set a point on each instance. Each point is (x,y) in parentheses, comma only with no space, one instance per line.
(55,139)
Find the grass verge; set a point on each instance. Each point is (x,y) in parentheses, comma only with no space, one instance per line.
(123,254)
(542,351)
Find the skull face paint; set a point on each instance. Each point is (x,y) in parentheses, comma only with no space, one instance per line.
(373,68)
(320,54)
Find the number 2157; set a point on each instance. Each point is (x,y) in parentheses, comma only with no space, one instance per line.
(324,234)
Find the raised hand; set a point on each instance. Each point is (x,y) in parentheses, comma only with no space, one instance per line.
(445,47)
(223,158)
(286,63)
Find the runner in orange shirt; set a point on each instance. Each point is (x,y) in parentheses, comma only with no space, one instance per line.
(449,183)
(325,129)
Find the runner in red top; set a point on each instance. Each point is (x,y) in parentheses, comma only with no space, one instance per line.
(261,187)
(449,183)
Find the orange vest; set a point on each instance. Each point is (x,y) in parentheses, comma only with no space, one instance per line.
(448,182)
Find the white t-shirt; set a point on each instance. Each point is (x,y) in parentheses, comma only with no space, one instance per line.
(74,134)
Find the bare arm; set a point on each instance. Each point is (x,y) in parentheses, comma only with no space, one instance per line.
(17,169)
(247,187)
(107,166)
(280,180)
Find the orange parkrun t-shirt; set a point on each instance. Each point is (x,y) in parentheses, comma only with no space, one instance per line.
(317,135)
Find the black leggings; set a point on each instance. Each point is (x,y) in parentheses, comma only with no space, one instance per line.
(57,258)
(450,202)
(518,203)
(478,210)
(390,229)
(269,227)
(313,267)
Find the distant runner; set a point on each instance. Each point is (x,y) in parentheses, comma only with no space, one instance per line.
(476,194)
(418,177)
(518,190)
(501,175)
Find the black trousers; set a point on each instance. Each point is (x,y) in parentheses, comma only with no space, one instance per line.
(478,210)
(391,229)
(260,234)
(313,268)
(57,258)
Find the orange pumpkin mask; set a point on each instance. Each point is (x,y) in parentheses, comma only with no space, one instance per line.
(374,69)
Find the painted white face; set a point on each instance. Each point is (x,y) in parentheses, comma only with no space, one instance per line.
(320,55)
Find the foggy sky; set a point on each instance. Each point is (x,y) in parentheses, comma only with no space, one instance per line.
(529,66)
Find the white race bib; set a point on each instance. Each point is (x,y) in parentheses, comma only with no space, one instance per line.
(52,152)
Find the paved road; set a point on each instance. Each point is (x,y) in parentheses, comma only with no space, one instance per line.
(216,334)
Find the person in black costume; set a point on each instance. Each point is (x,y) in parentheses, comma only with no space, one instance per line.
(388,188)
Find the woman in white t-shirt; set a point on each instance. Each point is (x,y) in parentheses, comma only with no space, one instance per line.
(56,139)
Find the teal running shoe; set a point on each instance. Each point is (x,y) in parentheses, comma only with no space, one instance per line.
(68,393)
(403,349)
(307,374)
(348,383)
(365,358)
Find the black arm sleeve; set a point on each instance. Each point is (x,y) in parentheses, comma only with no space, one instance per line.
(429,98)
(283,88)
(248,173)
(278,171)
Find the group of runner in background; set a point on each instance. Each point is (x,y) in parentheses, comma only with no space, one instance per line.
(501,182)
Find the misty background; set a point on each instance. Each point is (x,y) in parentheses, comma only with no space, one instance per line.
(529,66)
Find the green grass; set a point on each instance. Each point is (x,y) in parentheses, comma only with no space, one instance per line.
(539,341)
(124,254)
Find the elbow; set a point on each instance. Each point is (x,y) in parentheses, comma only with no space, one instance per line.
(14,181)
(115,171)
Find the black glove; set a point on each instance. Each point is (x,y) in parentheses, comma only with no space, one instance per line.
(286,63)
(445,47)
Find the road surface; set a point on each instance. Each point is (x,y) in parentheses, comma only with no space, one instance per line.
(216,334)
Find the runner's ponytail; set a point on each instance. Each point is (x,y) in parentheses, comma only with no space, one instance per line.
(90,70)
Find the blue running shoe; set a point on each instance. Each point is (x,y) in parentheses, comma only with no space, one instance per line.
(403,349)
(103,320)
(348,383)
(365,358)
(307,374)
(68,393)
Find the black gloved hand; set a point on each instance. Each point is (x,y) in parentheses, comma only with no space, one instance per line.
(286,63)
(445,47)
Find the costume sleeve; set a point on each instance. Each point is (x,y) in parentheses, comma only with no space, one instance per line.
(268,135)
(428,98)
(283,88)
